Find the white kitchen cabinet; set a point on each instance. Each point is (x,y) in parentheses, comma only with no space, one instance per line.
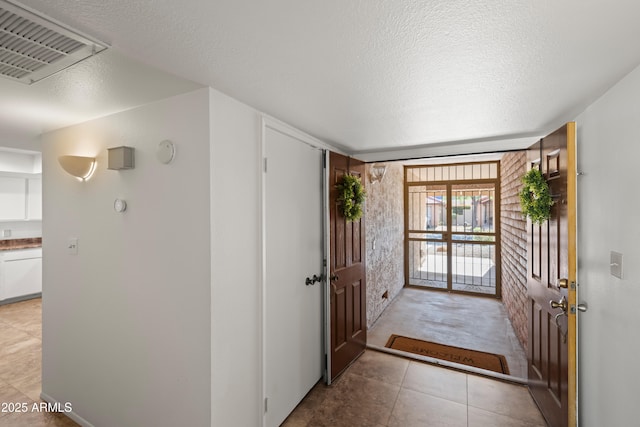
(13,198)
(20,273)
(34,198)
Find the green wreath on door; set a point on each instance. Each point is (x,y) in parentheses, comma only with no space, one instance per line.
(535,197)
(351,195)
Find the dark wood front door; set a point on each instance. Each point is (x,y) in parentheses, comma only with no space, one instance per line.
(347,274)
(551,277)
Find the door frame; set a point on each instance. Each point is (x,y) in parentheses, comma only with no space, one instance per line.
(268,122)
(572,224)
(326,289)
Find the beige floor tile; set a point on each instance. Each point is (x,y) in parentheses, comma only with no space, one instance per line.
(300,417)
(24,324)
(482,418)
(26,345)
(511,400)
(9,394)
(29,385)
(418,409)
(436,381)
(16,367)
(356,400)
(304,412)
(428,396)
(23,310)
(10,335)
(20,365)
(380,366)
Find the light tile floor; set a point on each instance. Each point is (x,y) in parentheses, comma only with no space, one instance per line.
(380,389)
(21,367)
(473,322)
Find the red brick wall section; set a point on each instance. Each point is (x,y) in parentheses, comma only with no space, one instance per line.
(514,244)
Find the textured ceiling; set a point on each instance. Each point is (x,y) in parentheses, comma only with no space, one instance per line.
(375,75)
(103,84)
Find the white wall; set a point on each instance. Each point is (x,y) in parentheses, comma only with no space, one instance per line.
(235,232)
(126,322)
(608,206)
(18,141)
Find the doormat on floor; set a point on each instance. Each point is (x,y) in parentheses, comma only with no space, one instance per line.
(477,359)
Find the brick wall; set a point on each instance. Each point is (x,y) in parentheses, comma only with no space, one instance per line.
(514,243)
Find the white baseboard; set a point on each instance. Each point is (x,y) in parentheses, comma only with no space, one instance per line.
(75,417)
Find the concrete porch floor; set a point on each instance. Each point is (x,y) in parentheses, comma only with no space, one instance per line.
(453,319)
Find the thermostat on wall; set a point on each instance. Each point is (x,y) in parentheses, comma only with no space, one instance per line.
(119,205)
(166,152)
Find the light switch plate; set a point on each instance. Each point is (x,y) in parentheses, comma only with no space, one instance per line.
(616,264)
(72,246)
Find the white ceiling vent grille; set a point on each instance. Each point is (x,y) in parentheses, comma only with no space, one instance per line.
(33,47)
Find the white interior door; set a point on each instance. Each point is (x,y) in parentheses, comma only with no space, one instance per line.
(294,250)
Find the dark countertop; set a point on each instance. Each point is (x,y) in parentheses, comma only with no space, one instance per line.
(13,244)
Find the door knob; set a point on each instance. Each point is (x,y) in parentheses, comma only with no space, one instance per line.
(560,304)
(333,277)
(563,283)
(580,307)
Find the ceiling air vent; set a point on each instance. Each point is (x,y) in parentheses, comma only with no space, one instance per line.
(33,47)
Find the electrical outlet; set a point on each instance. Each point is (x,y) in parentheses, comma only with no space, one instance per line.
(6,233)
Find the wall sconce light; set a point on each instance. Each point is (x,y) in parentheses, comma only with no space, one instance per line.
(376,173)
(77,166)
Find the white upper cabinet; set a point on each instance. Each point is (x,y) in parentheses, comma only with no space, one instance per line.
(13,198)
(20,197)
(34,198)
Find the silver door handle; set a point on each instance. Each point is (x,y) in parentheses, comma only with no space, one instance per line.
(580,307)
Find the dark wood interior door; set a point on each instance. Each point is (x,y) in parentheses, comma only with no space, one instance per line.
(551,274)
(347,274)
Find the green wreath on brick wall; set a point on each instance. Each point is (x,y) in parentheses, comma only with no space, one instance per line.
(351,196)
(535,197)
